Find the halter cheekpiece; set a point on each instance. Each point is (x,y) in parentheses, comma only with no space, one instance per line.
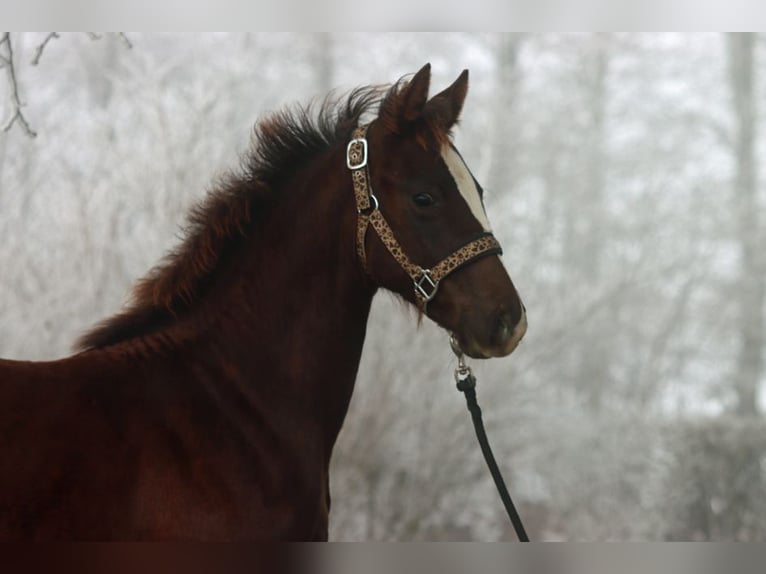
(425,280)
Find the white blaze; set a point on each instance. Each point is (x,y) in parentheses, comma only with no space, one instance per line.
(465,184)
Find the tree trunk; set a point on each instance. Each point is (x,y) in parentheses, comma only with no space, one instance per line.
(100,62)
(595,163)
(751,288)
(504,145)
(585,226)
(585,223)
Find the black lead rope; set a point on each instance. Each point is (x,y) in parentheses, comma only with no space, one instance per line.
(466,383)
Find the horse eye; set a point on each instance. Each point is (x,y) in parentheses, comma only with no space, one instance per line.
(423,199)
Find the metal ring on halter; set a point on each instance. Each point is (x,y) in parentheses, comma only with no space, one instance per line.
(374,204)
(424,280)
(453,343)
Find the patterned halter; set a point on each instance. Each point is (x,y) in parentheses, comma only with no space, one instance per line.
(425,281)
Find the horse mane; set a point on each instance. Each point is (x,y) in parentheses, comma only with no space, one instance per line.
(217,226)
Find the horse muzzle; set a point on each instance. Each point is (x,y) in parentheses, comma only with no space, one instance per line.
(499,339)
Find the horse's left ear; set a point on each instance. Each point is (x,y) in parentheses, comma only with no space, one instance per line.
(416,94)
(445,106)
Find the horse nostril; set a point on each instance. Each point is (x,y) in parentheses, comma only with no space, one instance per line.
(509,326)
(504,328)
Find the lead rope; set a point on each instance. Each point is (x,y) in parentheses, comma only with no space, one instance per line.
(466,383)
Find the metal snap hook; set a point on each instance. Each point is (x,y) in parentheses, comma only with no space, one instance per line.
(462,371)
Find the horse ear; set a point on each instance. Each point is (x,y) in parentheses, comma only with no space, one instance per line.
(416,94)
(445,106)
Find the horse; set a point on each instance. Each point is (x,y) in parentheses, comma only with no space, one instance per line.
(208,409)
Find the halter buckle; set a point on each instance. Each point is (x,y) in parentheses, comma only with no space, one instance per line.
(352,160)
(426,283)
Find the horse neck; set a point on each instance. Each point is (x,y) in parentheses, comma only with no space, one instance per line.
(286,323)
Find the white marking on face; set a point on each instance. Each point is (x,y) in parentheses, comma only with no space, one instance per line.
(465,184)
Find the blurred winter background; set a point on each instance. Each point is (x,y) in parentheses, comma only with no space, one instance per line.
(622,176)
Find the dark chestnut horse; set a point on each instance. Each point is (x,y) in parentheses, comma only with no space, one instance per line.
(209,409)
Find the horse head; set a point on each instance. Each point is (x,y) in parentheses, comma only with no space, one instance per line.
(433,243)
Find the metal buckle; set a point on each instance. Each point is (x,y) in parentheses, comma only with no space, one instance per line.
(349,160)
(426,279)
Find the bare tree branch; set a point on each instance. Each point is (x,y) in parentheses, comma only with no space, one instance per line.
(126,41)
(95,36)
(41,47)
(15,100)
(6,62)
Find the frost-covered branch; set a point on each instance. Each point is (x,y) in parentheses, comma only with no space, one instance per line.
(41,48)
(16,105)
(126,41)
(7,62)
(95,36)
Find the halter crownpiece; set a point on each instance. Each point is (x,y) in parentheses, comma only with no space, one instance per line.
(425,280)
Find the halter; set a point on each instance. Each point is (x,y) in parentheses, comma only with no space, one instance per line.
(425,280)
